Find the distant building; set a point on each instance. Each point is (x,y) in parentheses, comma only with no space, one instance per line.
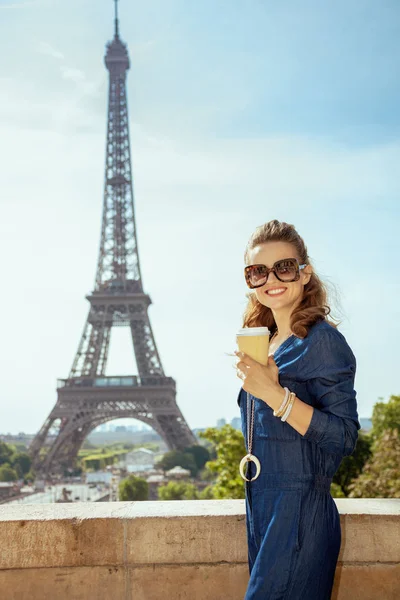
(99,477)
(21,438)
(139,460)
(8,489)
(178,473)
(236,423)
(155,480)
(221,423)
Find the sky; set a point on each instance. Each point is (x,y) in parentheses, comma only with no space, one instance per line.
(241,111)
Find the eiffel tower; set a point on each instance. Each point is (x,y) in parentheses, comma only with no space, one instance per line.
(88,397)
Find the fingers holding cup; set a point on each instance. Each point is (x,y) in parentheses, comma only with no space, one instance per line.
(241,368)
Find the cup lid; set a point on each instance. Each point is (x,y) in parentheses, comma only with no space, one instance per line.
(253,331)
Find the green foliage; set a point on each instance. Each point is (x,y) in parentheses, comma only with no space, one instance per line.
(21,463)
(12,458)
(351,466)
(336,491)
(207,475)
(98,461)
(29,477)
(133,488)
(6,452)
(88,445)
(385,415)
(19,447)
(207,493)
(209,446)
(7,473)
(149,445)
(230,449)
(200,454)
(178,490)
(176,458)
(381,475)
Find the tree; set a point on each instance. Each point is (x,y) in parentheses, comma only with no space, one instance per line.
(21,463)
(29,477)
(6,453)
(133,488)
(336,491)
(207,493)
(19,447)
(178,490)
(7,473)
(200,454)
(230,449)
(351,466)
(176,458)
(380,477)
(207,475)
(385,415)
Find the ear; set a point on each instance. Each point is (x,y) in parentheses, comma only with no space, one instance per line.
(307,272)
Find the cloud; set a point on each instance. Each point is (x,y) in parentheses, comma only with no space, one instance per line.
(46,48)
(69,73)
(286,168)
(73,74)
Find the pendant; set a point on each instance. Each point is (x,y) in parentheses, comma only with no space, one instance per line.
(248,458)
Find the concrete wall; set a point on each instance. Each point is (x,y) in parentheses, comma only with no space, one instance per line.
(174,550)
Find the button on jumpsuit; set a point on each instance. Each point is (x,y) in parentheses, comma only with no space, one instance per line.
(293,526)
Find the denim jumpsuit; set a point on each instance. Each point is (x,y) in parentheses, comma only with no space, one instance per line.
(293,525)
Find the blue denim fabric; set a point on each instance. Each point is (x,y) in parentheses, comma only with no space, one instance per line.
(292,523)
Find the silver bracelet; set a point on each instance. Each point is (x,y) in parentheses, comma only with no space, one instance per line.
(276,412)
(289,408)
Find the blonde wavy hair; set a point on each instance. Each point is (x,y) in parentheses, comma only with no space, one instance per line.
(314,303)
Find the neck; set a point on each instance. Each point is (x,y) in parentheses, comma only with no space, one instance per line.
(282,321)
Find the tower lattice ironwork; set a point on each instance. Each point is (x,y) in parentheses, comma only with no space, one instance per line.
(88,397)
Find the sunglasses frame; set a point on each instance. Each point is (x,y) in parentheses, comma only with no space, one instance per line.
(273,268)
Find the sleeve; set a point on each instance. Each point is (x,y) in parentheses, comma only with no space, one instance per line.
(334,424)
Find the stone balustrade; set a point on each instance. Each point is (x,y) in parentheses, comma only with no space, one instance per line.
(175,550)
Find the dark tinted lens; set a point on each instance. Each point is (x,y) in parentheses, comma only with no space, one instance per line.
(286,270)
(256,274)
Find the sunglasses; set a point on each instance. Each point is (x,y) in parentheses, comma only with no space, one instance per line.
(286,270)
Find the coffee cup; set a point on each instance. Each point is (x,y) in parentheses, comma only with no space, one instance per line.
(254,341)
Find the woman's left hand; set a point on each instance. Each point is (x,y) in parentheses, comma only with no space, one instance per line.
(262,381)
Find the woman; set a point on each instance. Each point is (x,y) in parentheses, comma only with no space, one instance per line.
(304,421)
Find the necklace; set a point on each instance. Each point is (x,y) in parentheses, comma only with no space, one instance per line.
(249,456)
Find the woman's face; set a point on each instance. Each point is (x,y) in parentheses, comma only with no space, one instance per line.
(288,294)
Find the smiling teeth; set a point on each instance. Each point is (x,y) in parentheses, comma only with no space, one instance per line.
(278,291)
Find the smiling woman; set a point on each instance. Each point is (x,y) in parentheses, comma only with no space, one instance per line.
(299,419)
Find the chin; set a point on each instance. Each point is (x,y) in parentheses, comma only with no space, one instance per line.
(275,304)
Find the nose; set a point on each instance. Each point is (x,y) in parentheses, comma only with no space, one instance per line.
(274,277)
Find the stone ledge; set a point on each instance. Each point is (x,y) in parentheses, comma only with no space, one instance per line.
(176,550)
(165,582)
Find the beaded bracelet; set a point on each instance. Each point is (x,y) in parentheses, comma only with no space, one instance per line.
(281,409)
(289,407)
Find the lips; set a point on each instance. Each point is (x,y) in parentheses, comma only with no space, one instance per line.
(278,291)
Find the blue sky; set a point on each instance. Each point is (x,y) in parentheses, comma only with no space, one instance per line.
(240,112)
